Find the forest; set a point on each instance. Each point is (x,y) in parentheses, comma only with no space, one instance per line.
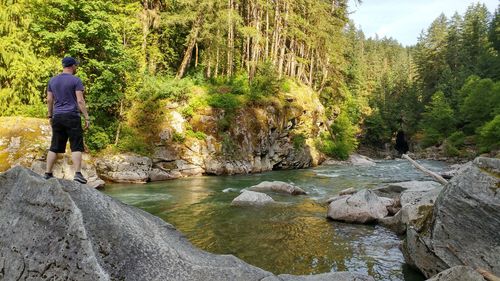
(135,55)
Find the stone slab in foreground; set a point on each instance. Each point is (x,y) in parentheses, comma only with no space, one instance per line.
(61,230)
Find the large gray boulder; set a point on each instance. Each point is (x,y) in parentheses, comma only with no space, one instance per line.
(416,207)
(362,207)
(465,225)
(127,168)
(61,230)
(252,198)
(277,186)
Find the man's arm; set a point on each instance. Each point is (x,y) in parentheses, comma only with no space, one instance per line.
(82,107)
(50,103)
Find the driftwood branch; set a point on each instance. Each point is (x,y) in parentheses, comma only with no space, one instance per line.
(439,178)
(488,275)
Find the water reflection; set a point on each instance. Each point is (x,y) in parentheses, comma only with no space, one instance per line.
(292,236)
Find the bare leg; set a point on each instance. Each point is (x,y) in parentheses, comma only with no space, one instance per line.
(51,159)
(76,156)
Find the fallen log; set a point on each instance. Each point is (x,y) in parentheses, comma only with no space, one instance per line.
(439,178)
(488,275)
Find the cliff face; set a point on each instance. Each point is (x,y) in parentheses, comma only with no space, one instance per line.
(257,139)
(250,139)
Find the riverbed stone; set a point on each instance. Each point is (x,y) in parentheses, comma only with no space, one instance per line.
(362,207)
(464,226)
(252,198)
(59,229)
(277,186)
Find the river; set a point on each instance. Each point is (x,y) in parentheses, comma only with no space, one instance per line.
(293,236)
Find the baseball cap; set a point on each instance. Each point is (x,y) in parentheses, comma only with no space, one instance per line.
(69,61)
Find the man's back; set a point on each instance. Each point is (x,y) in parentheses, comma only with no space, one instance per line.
(64,87)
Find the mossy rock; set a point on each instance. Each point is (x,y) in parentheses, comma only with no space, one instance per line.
(22,140)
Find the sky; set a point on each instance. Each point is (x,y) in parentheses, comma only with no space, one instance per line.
(403,20)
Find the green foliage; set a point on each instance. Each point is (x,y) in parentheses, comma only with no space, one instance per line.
(133,141)
(227,102)
(164,87)
(481,102)
(265,83)
(178,137)
(438,120)
(376,130)
(450,150)
(344,140)
(489,135)
(96,138)
(299,141)
(196,135)
(457,139)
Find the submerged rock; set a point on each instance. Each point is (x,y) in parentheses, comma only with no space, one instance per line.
(252,198)
(362,207)
(59,229)
(465,225)
(277,186)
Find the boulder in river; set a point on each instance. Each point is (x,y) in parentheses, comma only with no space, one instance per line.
(360,160)
(62,230)
(362,207)
(277,186)
(465,223)
(252,198)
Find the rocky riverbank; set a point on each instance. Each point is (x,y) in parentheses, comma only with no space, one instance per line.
(266,137)
(453,227)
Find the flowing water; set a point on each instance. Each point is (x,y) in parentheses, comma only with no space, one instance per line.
(293,236)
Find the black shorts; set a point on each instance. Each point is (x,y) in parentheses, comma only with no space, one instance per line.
(66,126)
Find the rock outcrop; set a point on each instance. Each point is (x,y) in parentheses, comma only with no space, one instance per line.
(464,226)
(251,198)
(64,170)
(277,186)
(362,207)
(25,141)
(57,229)
(124,168)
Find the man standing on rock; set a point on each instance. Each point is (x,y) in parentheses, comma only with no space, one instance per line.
(65,103)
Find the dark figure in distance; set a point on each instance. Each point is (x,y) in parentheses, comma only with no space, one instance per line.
(401,144)
(65,102)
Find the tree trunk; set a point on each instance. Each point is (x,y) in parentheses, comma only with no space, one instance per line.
(193,37)
(439,178)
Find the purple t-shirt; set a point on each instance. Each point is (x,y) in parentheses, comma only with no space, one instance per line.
(64,87)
